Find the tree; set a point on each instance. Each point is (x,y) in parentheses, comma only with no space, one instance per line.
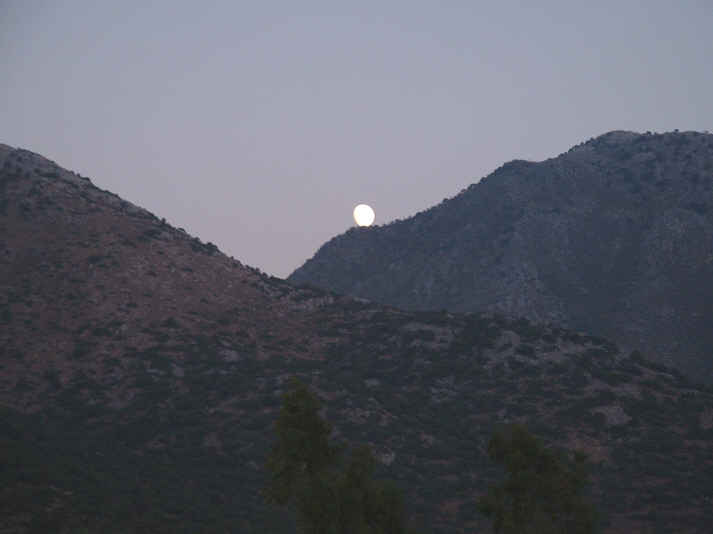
(302,451)
(542,491)
(307,471)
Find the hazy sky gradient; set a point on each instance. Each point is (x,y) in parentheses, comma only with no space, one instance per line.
(259,125)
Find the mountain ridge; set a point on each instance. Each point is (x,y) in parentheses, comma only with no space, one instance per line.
(141,372)
(614,237)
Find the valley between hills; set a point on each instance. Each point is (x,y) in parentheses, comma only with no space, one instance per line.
(141,371)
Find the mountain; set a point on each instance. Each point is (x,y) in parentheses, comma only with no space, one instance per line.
(613,237)
(141,371)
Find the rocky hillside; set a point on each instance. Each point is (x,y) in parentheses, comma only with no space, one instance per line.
(141,371)
(614,237)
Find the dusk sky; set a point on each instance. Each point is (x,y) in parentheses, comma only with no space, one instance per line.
(258,126)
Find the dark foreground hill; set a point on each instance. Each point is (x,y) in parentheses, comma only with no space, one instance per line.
(141,371)
(614,237)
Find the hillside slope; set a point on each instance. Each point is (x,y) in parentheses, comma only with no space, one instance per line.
(141,371)
(614,237)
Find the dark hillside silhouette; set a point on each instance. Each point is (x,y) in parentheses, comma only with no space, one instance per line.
(613,237)
(141,371)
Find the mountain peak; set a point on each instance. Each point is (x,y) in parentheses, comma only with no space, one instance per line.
(142,372)
(614,237)
(619,136)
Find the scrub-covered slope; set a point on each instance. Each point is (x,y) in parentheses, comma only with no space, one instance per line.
(614,237)
(141,372)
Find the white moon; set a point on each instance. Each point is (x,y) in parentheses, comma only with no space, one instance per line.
(363,215)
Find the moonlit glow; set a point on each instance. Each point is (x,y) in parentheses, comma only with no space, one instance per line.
(363,215)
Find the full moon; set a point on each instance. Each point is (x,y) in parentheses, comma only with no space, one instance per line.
(363,215)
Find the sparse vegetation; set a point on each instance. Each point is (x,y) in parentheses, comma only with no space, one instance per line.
(132,404)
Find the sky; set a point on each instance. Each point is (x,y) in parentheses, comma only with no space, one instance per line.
(258,126)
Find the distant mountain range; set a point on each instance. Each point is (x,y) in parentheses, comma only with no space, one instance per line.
(613,237)
(141,371)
